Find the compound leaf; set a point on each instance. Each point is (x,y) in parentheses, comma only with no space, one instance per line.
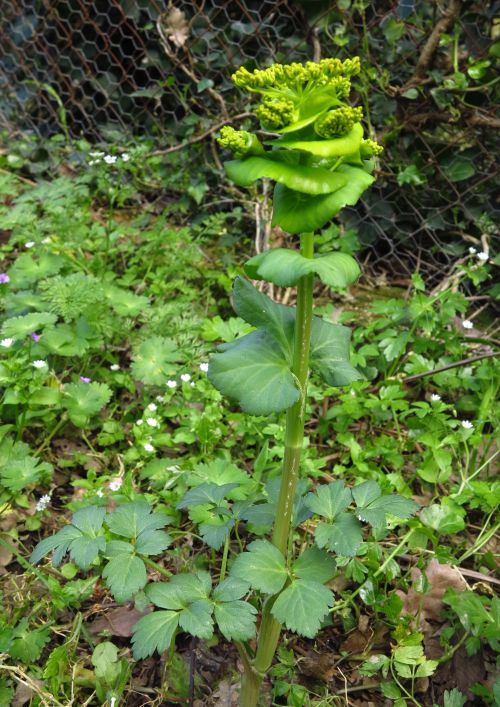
(302,606)
(131,519)
(343,536)
(236,620)
(263,566)
(206,493)
(154,632)
(329,499)
(196,619)
(125,575)
(315,565)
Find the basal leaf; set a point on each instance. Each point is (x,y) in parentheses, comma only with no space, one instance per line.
(125,575)
(58,542)
(343,536)
(220,472)
(131,519)
(154,632)
(82,400)
(253,371)
(315,565)
(329,500)
(89,520)
(285,267)
(302,606)
(299,213)
(302,178)
(262,565)
(236,620)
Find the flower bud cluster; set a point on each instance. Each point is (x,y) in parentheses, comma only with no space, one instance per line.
(337,122)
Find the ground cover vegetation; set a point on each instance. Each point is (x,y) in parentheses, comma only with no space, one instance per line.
(138,501)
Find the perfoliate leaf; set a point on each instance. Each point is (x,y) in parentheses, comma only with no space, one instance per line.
(236,620)
(205,493)
(315,565)
(82,400)
(329,356)
(131,519)
(329,499)
(154,359)
(336,147)
(154,632)
(285,267)
(343,536)
(253,371)
(302,606)
(302,178)
(301,213)
(263,566)
(125,575)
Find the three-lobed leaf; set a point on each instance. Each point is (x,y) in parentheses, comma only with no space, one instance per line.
(302,606)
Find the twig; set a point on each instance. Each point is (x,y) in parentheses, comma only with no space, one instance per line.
(456,364)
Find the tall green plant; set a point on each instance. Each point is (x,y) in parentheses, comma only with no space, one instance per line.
(320,162)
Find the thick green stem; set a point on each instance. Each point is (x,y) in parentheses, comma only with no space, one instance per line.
(294,436)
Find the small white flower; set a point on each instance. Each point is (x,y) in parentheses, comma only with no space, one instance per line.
(46,240)
(99,493)
(42,502)
(139,422)
(472,250)
(148,447)
(467,324)
(114,367)
(93,162)
(125,156)
(435,398)
(115,484)
(152,407)
(192,384)
(160,398)
(483,256)
(96,154)
(110,159)
(39,363)
(6,343)
(204,367)
(467,425)
(185,377)
(29,244)
(152,422)
(171,384)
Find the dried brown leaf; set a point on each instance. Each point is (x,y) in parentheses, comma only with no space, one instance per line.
(177,27)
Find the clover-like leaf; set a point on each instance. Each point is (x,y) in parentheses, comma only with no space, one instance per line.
(262,565)
(302,178)
(285,267)
(299,213)
(302,606)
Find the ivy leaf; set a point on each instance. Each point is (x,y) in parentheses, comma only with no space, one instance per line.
(343,536)
(154,359)
(315,565)
(372,507)
(154,632)
(131,519)
(82,400)
(300,213)
(302,606)
(125,575)
(236,620)
(329,499)
(19,327)
(263,566)
(205,493)
(330,354)
(302,178)
(253,371)
(285,267)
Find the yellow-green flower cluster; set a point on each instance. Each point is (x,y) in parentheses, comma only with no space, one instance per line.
(337,122)
(240,142)
(275,113)
(369,148)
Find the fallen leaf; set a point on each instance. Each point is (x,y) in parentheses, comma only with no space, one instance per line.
(177,27)
(119,621)
(24,693)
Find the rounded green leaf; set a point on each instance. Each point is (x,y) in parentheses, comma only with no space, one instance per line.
(300,213)
(336,147)
(309,180)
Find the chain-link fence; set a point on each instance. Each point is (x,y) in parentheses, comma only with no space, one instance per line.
(102,68)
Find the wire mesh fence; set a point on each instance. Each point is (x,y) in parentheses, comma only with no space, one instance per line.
(103,68)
